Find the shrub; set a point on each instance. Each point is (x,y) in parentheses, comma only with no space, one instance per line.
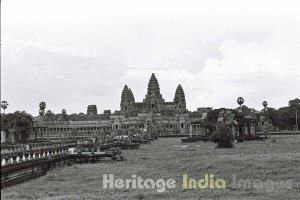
(223,136)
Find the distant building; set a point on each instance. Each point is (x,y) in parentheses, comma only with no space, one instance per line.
(107,112)
(92,110)
(153,110)
(153,101)
(204,109)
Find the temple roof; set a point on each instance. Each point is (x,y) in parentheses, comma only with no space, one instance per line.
(179,95)
(127,95)
(153,86)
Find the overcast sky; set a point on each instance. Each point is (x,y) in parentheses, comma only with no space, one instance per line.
(74,53)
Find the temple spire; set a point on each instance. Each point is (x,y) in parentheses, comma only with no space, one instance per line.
(153,86)
(179,98)
(153,97)
(127,98)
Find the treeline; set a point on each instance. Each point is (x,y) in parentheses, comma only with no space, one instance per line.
(63,116)
(283,118)
(16,120)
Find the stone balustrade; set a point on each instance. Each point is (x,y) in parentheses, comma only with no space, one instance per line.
(33,154)
(34,146)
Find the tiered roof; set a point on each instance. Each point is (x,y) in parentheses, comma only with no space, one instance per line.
(153,86)
(127,95)
(179,96)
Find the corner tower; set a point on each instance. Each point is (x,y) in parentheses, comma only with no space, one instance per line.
(127,99)
(179,98)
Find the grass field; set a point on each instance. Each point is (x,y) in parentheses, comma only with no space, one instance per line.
(277,159)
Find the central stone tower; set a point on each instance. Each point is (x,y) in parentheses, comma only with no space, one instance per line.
(153,99)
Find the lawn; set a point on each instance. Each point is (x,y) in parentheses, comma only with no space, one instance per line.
(271,161)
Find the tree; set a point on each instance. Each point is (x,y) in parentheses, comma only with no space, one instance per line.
(240,101)
(63,111)
(223,136)
(4,105)
(265,104)
(211,120)
(16,123)
(295,105)
(273,115)
(42,106)
(49,116)
(64,115)
(286,118)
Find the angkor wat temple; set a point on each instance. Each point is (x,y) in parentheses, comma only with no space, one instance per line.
(153,101)
(153,110)
(171,116)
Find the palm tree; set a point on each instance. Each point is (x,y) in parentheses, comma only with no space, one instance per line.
(4,105)
(64,115)
(295,104)
(64,112)
(42,106)
(240,101)
(265,104)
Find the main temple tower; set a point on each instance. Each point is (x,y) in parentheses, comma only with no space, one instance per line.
(153,99)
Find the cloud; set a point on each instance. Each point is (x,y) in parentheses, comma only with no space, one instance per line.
(64,77)
(217,53)
(266,70)
(257,70)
